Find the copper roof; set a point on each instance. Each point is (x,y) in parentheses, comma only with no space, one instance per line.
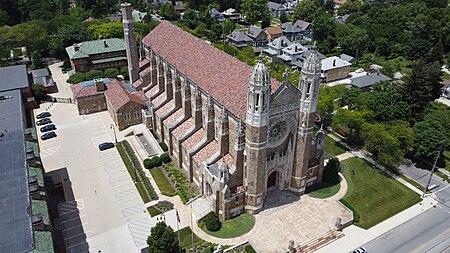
(222,75)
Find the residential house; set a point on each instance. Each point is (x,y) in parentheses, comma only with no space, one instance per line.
(334,68)
(139,16)
(179,8)
(339,3)
(301,61)
(258,36)
(290,6)
(97,54)
(43,77)
(273,32)
(276,46)
(342,19)
(232,15)
(348,58)
(217,15)
(300,30)
(365,82)
(293,53)
(239,39)
(276,9)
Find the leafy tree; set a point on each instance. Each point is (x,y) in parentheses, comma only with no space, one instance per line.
(4,18)
(331,170)
(76,78)
(350,121)
(124,72)
(111,73)
(436,54)
(38,90)
(30,35)
(305,10)
(352,39)
(255,10)
(165,158)
(283,18)
(79,13)
(94,74)
(228,27)
(67,35)
(167,11)
(106,30)
(190,19)
(162,239)
(265,22)
(328,101)
(350,6)
(324,32)
(386,106)
(200,30)
(97,8)
(212,222)
(36,60)
(215,32)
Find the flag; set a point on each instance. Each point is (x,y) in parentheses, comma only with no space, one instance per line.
(178,217)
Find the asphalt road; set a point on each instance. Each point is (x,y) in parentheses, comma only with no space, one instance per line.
(428,232)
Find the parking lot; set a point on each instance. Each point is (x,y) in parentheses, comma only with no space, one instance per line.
(107,206)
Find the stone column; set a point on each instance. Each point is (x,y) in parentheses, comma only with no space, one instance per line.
(130,41)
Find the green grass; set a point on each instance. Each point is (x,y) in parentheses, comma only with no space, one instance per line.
(323,190)
(153,211)
(413,182)
(445,76)
(162,182)
(233,227)
(186,240)
(373,194)
(141,189)
(249,249)
(442,175)
(333,147)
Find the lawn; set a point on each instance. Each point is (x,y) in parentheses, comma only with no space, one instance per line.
(162,182)
(323,190)
(186,239)
(373,195)
(333,148)
(233,227)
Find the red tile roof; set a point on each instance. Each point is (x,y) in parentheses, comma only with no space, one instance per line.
(206,152)
(152,91)
(229,160)
(174,117)
(193,139)
(181,129)
(159,99)
(165,108)
(222,75)
(143,63)
(79,92)
(118,96)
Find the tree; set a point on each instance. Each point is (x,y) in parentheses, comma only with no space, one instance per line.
(106,30)
(305,10)
(265,22)
(79,13)
(111,73)
(228,27)
(283,18)
(215,32)
(255,10)
(76,78)
(96,8)
(352,39)
(94,74)
(212,222)
(167,11)
(4,18)
(124,72)
(324,32)
(162,239)
(67,35)
(331,170)
(350,121)
(350,6)
(386,106)
(190,19)
(436,54)
(36,60)
(38,90)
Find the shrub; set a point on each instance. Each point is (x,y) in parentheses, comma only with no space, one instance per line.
(76,78)
(124,72)
(212,222)
(93,74)
(111,73)
(155,135)
(330,173)
(165,158)
(38,90)
(152,162)
(163,146)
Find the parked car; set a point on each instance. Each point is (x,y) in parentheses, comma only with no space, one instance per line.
(48,128)
(48,135)
(44,121)
(360,70)
(105,146)
(360,250)
(43,115)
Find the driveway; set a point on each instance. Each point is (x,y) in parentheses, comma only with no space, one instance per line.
(64,90)
(112,215)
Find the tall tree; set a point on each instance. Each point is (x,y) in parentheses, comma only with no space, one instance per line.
(324,28)
(305,10)
(228,27)
(352,39)
(255,10)
(167,11)
(162,239)
(436,54)
(67,36)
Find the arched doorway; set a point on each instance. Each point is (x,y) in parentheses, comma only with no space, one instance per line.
(272,180)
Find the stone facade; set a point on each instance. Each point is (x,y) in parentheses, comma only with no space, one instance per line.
(91,104)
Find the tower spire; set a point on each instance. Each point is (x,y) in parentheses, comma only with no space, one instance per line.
(130,41)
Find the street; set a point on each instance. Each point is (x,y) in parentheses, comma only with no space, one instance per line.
(428,232)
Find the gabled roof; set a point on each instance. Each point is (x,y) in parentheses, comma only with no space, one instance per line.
(13,77)
(239,36)
(275,6)
(118,95)
(253,32)
(280,43)
(273,30)
(223,76)
(298,26)
(138,16)
(95,47)
(214,12)
(334,62)
(347,57)
(295,48)
(368,80)
(302,25)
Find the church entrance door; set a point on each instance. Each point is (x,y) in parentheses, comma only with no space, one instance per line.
(272,179)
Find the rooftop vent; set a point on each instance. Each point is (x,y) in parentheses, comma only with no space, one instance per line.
(38,222)
(105,44)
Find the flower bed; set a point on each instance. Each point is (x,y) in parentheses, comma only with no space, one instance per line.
(181,183)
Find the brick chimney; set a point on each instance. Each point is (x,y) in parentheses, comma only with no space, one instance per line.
(99,84)
(76,47)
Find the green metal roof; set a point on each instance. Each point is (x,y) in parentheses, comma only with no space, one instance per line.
(88,48)
(112,59)
(138,16)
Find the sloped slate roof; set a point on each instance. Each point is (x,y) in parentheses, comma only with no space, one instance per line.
(95,47)
(224,77)
(239,36)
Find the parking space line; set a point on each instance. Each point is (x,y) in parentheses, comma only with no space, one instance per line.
(81,216)
(76,226)
(70,237)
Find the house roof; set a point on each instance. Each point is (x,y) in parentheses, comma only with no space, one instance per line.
(221,75)
(298,26)
(138,16)
(275,6)
(40,72)
(180,6)
(334,62)
(279,43)
(302,25)
(95,47)
(295,48)
(253,32)
(239,36)
(118,95)
(347,57)
(13,77)
(368,80)
(274,30)
(16,234)
(214,12)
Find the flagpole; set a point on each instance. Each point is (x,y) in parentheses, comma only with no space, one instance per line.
(178,231)
(192,231)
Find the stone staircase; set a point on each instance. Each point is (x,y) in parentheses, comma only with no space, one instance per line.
(319,242)
(201,207)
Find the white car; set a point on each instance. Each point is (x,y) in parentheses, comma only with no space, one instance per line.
(360,70)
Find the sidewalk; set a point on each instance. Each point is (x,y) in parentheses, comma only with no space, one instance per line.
(355,236)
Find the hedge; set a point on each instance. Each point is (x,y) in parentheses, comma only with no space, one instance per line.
(212,222)
(163,146)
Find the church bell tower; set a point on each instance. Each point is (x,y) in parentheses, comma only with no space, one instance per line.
(130,41)
(257,119)
(309,86)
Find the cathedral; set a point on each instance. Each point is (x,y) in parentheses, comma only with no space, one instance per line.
(233,130)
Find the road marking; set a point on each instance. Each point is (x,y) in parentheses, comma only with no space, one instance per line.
(73,219)
(76,226)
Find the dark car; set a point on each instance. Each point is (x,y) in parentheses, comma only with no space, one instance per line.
(48,128)
(360,250)
(44,121)
(43,115)
(105,145)
(48,135)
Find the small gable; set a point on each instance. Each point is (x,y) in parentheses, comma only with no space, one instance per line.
(286,94)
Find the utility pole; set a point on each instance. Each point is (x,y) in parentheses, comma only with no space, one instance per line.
(434,166)
(114,130)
